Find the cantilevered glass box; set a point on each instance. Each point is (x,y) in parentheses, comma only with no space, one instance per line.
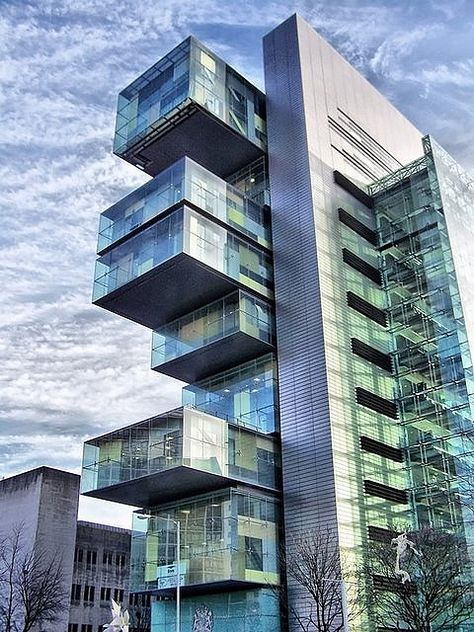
(175,455)
(190,103)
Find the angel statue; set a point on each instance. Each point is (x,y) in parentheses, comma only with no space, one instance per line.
(403,544)
(120,620)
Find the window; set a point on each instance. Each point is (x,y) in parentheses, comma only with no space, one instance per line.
(118,595)
(105,593)
(73,627)
(78,556)
(253,554)
(76,592)
(89,594)
(91,558)
(86,627)
(120,560)
(107,557)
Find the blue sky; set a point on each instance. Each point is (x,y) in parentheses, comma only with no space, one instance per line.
(70,370)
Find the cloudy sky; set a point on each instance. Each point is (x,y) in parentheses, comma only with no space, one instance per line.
(70,370)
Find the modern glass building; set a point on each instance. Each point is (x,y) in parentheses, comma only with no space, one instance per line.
(302,260)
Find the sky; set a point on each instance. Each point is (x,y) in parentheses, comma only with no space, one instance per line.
(68,370)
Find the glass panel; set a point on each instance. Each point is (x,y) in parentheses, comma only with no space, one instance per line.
(188,72)
(203,239)
(224,536)
(246,395)
(237,312)
(242,611)
(185,437)
(139,254)
(184,180)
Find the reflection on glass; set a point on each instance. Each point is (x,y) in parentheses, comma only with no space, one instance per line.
(185,180)
(225,536)
(246,395)
(186,231)
(189,72)
(236,312)
(184,437)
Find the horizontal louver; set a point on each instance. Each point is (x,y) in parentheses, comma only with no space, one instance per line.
(378,534)
(358,227)
(353,189)
(376,403)
(386,492)
(392,584)
(367,309)
(361,266)
(382,449)
(372,355)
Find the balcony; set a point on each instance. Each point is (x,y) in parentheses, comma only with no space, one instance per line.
(216,337)
(190,103)
(184,181)
(228,539)
(174,455)
(178,264)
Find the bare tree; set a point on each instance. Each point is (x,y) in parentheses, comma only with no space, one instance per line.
(140,612)
(439,595)
(313,563)
(31,585)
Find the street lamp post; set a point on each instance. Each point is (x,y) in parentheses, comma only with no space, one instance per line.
(178,564)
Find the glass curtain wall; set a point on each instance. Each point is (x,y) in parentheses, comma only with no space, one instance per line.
(225,536)
(189,72)
(184,230)
(188,437)
(237,312)
(431,354)
(185,180)
(246,395)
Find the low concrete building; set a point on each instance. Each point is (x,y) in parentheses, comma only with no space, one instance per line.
(42,503)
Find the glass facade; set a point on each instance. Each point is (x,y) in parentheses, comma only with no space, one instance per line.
(190,73)
(241,611)
(185,437)
(246,395)
(225,536)
(432,362)
(184,231)
(237,312)
(185,180)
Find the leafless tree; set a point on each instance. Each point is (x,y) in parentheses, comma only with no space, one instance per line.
(439,596)
(140,612)
(314,568)
(31,584)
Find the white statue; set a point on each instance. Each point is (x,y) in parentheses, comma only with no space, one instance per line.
(120,621)
(403,544)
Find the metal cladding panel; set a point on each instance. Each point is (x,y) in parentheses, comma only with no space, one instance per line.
(177,482)
(169,290)
(308,480)
(324,117)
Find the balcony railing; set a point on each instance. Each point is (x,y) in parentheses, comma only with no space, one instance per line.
(185,180)
(193,345)
(186,439)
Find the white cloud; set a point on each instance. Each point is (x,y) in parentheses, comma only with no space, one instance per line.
(69,369)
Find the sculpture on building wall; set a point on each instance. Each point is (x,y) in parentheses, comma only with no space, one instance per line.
(203,620)
(120,620)
(403,544)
